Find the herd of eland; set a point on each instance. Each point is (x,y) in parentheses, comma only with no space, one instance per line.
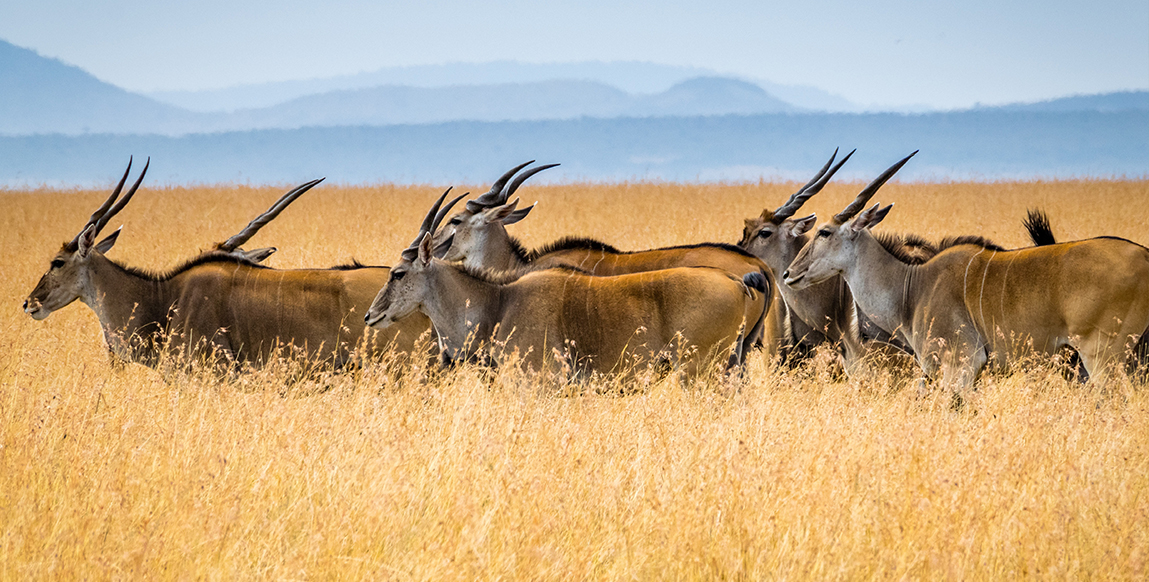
(466,290)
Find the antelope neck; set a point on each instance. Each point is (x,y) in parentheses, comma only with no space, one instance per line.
(499,253)
(819,306)
(461,306)
(879,283)
(126,304)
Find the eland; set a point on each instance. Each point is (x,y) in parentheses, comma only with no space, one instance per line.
(478,238)
(822,313)
(685,317)
(218,307)
(974,304)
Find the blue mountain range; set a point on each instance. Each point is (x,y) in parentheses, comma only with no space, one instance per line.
(59,124)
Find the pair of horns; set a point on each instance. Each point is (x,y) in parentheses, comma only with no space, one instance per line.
(431,223)
(501,190)
(811,188)
(260,221)
(859,203)
(111,206)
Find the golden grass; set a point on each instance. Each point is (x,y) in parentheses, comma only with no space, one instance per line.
(110,473)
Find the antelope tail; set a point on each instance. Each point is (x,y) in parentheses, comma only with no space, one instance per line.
(759,282)
(1036,223)
(756,281)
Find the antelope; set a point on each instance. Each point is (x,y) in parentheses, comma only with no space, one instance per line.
(826,312)
(970,305)
(683,316)
(812,316)
(477,237)
(822,313)
(218,306)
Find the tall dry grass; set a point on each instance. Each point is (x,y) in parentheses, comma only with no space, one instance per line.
(113,473)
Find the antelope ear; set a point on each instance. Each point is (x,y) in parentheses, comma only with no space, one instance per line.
(257,255)
(86,240)
(109,241)
(862,220)
(869,217)
(801,226)
(425,253)
(518,214)
(500,214)
(441,250)
(881,215)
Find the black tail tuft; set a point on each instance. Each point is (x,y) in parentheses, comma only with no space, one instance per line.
(1037,224)
(756,281)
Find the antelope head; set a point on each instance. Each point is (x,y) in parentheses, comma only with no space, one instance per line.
(407,287)
(774,236)
(482,223)
(834,246)
(69,273)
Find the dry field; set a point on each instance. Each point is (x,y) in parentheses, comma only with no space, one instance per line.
(116,474)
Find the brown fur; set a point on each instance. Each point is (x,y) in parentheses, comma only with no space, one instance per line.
(972,304)
(220,305)
(563,318)
(480,240)
(226,309)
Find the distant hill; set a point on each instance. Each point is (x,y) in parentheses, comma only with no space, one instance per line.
(390,105)
(42,95)
(959,145)
(637,78)
(710,96)
(1117,101)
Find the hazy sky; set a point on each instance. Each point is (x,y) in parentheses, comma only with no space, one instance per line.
(887,52)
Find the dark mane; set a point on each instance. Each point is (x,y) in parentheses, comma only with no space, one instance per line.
(969,239)
(519,250)
(208,258)
(349,265)
(910,249)
(354,264)
(567,243)
(913,240)
(590,244)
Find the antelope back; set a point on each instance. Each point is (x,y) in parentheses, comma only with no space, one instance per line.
(686,316)
(598,261)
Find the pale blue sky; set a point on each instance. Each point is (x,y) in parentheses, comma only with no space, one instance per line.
(885,52)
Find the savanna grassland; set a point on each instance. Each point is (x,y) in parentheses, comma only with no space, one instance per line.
(117,473)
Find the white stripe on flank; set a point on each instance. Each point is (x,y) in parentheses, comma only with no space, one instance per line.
(981,297)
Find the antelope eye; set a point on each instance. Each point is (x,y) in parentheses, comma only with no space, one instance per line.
(396,275)
(764,233)
(454,221)
(823,233)
(57,263)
